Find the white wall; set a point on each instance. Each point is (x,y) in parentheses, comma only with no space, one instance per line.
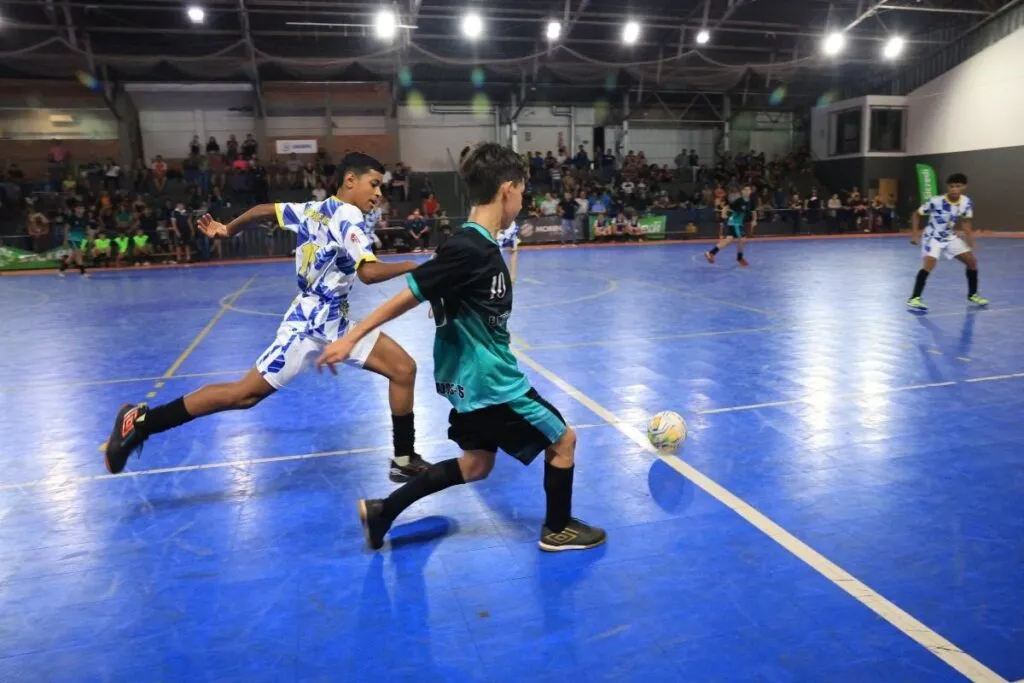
(661,144)
(169,132)
(978,104)
(541,129)
(425,137)
(359,125)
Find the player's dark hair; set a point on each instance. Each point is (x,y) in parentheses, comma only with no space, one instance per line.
(956,178)
(463,153)
(487,166)
(359,163)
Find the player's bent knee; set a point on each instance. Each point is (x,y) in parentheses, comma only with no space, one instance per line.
(475,466)
(563,451)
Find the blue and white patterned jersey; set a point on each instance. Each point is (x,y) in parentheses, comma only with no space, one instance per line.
(331,244)
(943,215)
(509,237)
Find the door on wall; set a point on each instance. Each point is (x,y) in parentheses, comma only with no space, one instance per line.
(598,142)
(888,188)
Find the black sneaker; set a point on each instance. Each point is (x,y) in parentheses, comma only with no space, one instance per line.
(403,473)
(575,536)
(125,439)
(374,525)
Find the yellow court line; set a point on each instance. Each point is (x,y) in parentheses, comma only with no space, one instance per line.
(956,658)
(225,306)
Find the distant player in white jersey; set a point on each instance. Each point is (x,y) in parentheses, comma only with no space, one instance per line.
(945,214)
(510,238)
(332,250)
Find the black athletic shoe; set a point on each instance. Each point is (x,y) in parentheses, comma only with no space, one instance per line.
(403,473)
(125,439)
(374,525)
(575,536)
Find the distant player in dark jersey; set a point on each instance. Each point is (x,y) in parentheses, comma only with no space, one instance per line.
(945,213)
(742,211)
(493,405)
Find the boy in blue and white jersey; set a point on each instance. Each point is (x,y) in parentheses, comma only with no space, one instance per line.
(509,237)
(332,250)
(945,213)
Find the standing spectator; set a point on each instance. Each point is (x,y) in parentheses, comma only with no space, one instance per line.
(567,209)
(212,147)
(193,147)
(418,229)
(249,147)
(159,169)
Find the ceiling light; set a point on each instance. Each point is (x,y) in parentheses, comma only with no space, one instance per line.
(472,25)
(554,30)
(630,32)
(893,47)
(703,37)
(834,43)
(385,24)
(196,14)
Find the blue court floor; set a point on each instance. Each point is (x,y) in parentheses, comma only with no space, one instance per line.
(851,508)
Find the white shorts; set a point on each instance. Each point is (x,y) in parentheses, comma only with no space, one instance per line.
(951,249)
(293,351)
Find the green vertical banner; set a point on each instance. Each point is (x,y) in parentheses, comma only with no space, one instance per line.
(927,182)
(653,226)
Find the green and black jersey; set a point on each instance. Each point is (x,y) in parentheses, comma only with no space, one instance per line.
(468,286)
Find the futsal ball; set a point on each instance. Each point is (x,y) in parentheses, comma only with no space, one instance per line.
(666,431)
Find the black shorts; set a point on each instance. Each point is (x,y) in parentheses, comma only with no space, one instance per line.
(523,427)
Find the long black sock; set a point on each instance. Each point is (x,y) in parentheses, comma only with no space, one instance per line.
(438,477)
(558,487)
(403,434)
(162,418)
(63,264)
(739,255)
(714,251)
(922,277)
(972,282)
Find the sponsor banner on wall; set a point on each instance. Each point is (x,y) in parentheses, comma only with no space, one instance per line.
(296,147)
(653,226)
(540,229)
(19,259)
(927,183)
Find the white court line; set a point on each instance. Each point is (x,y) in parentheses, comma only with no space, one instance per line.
(223,464)
(995,378)
(812,399)
(972,669)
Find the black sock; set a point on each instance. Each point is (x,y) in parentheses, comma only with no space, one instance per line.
(438,477)
(972,282)
(64,264)
(714,251)
(558,487)
(739,255)
(162,418)
(403,434)
(81,269)
(922,277)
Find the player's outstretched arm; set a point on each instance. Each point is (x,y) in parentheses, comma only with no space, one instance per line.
(338,351)
(372,272)
(915,228)
(212,228)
